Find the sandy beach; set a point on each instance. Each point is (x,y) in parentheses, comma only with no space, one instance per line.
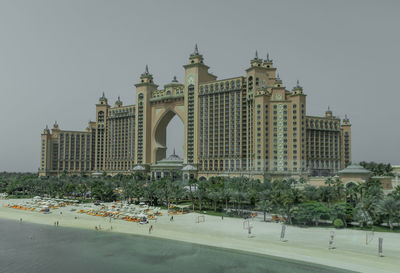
(305,244)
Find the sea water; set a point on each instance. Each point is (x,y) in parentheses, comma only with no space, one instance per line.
(32,248)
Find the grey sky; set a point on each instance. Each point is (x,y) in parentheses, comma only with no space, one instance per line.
(56,57)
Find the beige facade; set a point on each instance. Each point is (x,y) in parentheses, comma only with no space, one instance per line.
(247,125)
(67,151)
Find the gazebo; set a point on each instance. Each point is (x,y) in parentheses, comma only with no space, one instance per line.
(354,173)
(189,172)
(166,166)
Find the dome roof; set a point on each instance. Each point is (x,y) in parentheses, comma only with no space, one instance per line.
(139,168)
(189,168)
(354,169)
(278,81)
(172,158)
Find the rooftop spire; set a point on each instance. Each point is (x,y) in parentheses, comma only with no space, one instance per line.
(196,50)
(268,57)
(118,102)
(256,57)
(146,70)
(174,152)
(297,89)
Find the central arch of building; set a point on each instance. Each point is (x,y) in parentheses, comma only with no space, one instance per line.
(163,113)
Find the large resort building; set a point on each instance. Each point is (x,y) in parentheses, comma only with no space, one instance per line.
(250,125)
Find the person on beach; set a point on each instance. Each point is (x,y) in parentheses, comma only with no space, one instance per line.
(150,229)
(331,238)
(171,219)
(95,227)
(57,223)
(249,234)
(20,220)
(222,217)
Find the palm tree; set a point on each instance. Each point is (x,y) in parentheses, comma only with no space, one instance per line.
(329,181)
(351,193)
(338,189)
(214,196)
(326,194)
(265,203)
(311,193)
(201,192)
(395,193)
(192,183)
(361,214)
(150,192)
(168,189)
(361,188)
(287,205)
(226,194)
(390,209)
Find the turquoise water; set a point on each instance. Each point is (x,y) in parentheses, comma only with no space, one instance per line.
(45,249)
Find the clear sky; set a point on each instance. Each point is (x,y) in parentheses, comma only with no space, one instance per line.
(57,57)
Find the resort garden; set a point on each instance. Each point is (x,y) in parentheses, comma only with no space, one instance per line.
(292,201)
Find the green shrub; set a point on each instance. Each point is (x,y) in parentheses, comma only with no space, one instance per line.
(338,223)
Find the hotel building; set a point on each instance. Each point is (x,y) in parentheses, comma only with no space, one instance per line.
(248,125)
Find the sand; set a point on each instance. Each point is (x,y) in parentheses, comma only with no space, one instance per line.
(305,244)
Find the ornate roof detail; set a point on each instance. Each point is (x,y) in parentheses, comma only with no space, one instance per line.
(118,102)
(297,88)
(189,168)
(278,80)
(173,157)
(354,169)
(103,98)
(139,168)
(195,57)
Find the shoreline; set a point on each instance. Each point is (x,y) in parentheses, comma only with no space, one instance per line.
(230,250)
(309,245)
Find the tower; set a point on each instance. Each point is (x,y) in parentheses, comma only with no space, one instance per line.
(196,72)
(256,102)
(297,114)
(45,151)
(144,90)
(346,142)
(100,132)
